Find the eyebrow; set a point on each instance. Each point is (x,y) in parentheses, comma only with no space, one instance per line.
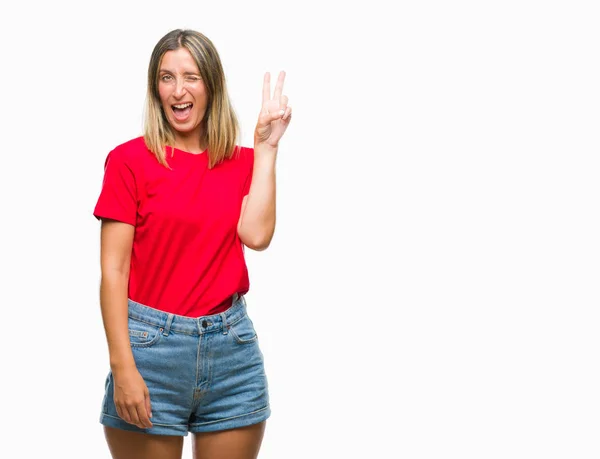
(185,73)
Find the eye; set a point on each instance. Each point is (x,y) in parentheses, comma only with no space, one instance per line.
(166,78)
(193,78)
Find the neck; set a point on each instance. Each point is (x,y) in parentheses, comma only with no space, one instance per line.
(190,144)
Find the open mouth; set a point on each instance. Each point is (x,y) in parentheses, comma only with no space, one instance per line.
(182,111)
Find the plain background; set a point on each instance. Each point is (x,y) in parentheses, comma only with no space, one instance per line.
(432,287)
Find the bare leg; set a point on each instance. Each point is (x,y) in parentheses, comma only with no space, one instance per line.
(134,445)
(242,443)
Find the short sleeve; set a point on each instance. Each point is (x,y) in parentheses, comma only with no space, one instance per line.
(118,197)
(249,165)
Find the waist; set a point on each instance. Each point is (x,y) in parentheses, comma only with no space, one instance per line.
(189,325)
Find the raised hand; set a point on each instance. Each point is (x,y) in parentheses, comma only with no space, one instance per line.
(275,114)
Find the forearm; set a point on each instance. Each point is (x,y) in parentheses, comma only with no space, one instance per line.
(258,219)
(113,304)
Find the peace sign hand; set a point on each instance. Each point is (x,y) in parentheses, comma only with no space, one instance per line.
(275,114)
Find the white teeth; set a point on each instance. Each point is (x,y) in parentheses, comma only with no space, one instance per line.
(182,106)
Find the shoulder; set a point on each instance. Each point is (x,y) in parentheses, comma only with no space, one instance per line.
(241,158)
(131,152)
(246,150)
(246,154)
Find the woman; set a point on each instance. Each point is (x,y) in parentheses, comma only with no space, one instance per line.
(177,206)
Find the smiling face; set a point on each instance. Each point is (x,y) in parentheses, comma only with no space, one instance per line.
(183,95)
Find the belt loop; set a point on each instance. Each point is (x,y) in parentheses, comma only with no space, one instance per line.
(224,318)
(168,325)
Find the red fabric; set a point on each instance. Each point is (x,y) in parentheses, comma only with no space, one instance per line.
(187,257)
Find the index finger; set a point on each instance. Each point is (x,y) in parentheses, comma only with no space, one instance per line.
(142,415)
(266,88)
(279,86)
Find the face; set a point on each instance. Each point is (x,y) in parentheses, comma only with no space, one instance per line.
(182,93)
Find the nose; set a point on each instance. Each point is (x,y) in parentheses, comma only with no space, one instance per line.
(179,88)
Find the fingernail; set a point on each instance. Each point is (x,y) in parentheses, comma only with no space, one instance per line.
(281,112)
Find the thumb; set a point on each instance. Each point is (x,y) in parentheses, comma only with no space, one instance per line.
(272,116)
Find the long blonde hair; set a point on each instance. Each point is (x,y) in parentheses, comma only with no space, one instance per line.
(220,125)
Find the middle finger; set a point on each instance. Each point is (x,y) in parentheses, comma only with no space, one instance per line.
(134,419)
(266,88)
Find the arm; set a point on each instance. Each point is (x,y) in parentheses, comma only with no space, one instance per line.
(257,220)
(131,396)
(115,256)
(256,225)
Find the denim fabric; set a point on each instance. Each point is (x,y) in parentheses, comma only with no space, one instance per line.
(203,374)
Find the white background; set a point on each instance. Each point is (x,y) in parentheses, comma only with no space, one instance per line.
(432,287)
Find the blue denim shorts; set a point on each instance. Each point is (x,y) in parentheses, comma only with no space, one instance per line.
(203,374)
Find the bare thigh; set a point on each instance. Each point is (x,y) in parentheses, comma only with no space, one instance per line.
(241,443)
(134,445)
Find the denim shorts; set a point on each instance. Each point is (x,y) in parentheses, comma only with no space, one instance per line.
(203,374)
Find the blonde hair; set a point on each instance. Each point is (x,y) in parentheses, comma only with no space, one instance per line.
(220,125)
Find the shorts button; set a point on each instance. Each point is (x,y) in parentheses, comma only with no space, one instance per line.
(204,323)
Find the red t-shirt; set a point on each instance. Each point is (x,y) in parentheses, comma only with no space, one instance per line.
(187,257)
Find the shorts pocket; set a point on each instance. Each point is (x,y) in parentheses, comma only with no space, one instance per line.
(142,334)
(243,331)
